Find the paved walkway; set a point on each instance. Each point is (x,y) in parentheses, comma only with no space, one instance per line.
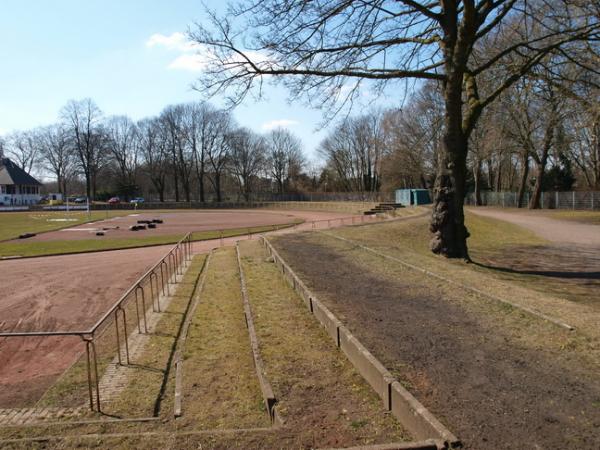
(553,230)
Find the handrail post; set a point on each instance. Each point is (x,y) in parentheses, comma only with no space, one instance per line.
(124,316)
(140,288)
(162,275)
(152,290)
(93,382)
(175,263)
(163,278)
(117,334)
(137,312)
(89,372)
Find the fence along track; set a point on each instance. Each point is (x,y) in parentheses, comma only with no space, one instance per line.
(166,269)
(575,200)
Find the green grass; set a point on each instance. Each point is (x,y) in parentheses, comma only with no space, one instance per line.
(220,387)
(486,234)
(44,248)
(13,224)
(304,366)
(496,247)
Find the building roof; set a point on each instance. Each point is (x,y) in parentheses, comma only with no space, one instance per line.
(10,173)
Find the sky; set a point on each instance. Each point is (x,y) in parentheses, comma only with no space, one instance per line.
(130,56)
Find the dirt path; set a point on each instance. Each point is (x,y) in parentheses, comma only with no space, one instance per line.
(553,230)
(483,380)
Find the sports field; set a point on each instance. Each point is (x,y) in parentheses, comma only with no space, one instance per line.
(70,292)
(502,352)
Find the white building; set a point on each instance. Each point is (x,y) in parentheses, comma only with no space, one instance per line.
(17,187)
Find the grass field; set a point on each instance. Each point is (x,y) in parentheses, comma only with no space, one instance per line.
(13,224)
(44,248)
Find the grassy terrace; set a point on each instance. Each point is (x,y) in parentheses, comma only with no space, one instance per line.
(323,401)
(503,255)
(461,354)
(310,378)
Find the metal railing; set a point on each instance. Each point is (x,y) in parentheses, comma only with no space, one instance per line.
(158,278)
(575,200)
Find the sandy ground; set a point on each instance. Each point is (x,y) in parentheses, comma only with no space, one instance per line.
(557,231)
(57,293)
(174,223)
(70,292)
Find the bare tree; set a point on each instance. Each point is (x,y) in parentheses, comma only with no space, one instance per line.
(173,117)
(413,138)
(354,150)
(123,146)
(217,153)
(202,134)
(82,120)
(22,147)
(247,159)
(153,144)
(56,154)
(285,157)
(327,49)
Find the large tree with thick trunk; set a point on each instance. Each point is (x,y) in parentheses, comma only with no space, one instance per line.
(325,50)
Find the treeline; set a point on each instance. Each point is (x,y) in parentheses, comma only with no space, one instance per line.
(542,134)
(190,151)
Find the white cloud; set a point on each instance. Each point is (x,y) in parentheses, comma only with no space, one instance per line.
(191,63)
(193,56)
(279,123)
(175,41)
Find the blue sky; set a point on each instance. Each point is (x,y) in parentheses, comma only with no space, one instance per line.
(127,55)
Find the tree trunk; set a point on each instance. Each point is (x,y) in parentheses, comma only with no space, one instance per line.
(534,203)
(498,184)
(218,186)
(524,176)
(477,178)
(201,182)
(448,220)
(59,183)
(88,185)
(176,183)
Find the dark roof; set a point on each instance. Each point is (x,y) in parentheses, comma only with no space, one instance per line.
(10,173)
